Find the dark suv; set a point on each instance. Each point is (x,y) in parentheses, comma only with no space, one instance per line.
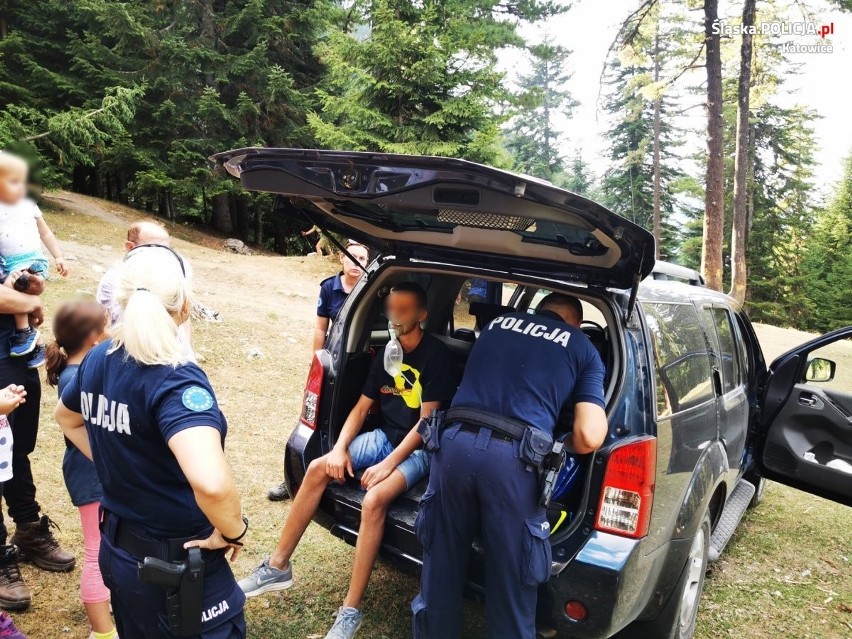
(696,420)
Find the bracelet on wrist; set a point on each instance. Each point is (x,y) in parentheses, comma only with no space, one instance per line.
(236,540)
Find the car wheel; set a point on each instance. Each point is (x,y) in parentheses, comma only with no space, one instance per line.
(760,488)
(677,619)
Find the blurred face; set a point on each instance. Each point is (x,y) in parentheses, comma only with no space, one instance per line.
(149,234)
(13,184)
(350,268)
(404,312)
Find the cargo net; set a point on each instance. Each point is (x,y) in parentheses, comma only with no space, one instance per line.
(485,220)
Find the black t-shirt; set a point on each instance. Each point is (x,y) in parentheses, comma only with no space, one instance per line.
(428,375)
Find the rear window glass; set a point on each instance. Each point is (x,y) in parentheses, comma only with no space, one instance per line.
(681,359)
(483,292)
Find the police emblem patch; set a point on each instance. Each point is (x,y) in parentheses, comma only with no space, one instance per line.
(197,399)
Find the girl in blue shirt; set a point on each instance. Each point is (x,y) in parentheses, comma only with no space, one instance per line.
(77,327)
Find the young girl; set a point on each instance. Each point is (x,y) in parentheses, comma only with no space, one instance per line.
(77,327)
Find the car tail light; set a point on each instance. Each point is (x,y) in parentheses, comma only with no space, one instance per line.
(575,610)
(628,489)
(313,389)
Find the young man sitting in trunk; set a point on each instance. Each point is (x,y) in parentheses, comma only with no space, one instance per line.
(410,377)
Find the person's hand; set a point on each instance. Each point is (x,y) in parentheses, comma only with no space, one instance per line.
(215,542)
(376,474)
(11,397)
(304,234)
(62,267)
(339,463)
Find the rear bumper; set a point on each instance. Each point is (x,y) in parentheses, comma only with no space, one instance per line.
(616,581)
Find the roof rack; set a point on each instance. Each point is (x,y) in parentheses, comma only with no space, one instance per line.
(667,271)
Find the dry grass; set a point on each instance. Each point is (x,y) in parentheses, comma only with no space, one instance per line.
(268,302)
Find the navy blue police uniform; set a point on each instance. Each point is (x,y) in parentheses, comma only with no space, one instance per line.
(526,368)
(79,472)
(331,297)
(149,509)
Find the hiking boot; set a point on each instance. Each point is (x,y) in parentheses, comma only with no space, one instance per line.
(38,545)
(279,493)
(14,594)
(36,359)
(23,342)
(266,578)
(8,629)
(346,623)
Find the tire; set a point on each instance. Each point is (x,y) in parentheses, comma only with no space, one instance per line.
(677,618)
(759,485)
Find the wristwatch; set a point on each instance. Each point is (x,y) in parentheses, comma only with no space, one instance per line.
(236,540)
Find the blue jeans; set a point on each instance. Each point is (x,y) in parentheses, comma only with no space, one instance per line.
(374,446)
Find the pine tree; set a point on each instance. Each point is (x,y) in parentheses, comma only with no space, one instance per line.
(422,79)
(579,179)
(628,186)
(535,139)
(783,213)
(827,261)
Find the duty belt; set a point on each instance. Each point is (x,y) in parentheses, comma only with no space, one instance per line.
(484,419)
(138,543)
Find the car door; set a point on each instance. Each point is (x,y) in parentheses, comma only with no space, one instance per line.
(733,408)
(804,436)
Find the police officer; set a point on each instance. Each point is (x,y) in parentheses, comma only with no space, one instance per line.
(150,421)
(522,370)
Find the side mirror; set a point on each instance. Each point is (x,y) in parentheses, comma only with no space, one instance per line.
(820,370)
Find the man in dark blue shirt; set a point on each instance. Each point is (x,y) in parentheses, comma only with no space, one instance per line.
(525,368)
(32,531)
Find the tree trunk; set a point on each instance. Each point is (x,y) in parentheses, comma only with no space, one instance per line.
(658,218)
(714,202)
(741,161)
(243,214)
(221,218)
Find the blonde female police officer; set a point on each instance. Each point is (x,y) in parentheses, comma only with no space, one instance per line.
(149,420)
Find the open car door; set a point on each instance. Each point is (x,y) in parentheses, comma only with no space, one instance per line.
(804,434)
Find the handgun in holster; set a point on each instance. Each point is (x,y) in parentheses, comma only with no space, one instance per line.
(183,582)
(430,430)
(552,465)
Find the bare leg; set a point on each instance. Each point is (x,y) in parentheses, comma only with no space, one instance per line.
(301,512)
(99,616)
(22,321)
(374,509)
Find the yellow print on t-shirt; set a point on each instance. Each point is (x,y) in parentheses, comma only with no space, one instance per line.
(407,385)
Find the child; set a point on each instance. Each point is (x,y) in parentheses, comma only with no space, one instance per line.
(10,398)
(77,327)
(22,230)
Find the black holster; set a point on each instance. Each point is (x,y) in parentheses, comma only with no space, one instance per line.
(552,465)
(430,428)
(183,582)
